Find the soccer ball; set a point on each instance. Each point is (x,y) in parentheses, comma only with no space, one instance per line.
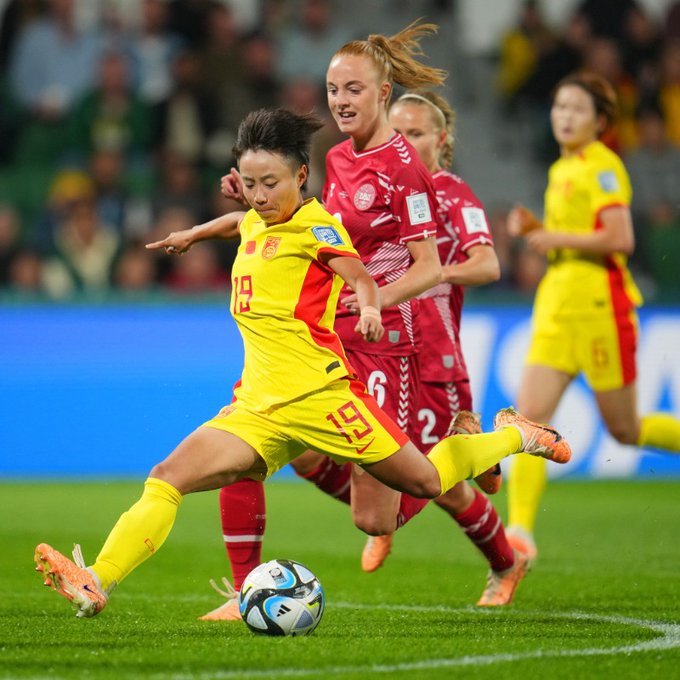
(281,597)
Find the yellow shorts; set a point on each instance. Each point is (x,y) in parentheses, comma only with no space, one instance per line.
(602,347)
(342,421)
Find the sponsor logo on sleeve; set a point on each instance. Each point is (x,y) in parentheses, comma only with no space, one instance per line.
(474,220)
(608,182)
(418,209)
(328,235)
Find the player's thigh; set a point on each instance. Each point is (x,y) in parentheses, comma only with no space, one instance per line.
(619,412)
(209,459)
(408,471)
(541,388)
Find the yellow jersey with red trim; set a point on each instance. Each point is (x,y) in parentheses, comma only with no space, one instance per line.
(283,300)
(580,188)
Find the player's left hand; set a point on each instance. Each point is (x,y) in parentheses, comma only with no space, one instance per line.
(176,243)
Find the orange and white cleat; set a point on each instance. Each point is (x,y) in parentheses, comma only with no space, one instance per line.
(537,440)
(501,585)
(71,579)
(467,422)
(523,541)
(229,611)
(375,552)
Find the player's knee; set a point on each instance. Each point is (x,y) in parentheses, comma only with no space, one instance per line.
(374,524)
(625,433)
(426,486)
(306,463)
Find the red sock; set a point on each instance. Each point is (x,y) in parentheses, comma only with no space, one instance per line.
(484,528)
(333,479)
(243,513)
(409,507)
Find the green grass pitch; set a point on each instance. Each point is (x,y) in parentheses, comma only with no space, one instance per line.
(602,602)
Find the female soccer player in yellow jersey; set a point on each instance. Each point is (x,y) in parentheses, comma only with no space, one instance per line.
(584,317)
(297,389)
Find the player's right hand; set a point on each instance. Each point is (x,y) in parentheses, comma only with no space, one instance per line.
(370,324)
(176,243)
(521,221)
(231,186)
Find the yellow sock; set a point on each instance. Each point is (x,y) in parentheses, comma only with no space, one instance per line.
(660,430)
(138,533)
(528,477)
(465,456)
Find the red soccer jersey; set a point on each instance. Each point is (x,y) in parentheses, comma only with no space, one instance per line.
(463,225)
(385,198)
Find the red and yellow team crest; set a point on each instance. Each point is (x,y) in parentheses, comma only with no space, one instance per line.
(271,245)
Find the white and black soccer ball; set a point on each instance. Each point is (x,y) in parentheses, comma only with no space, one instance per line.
(281,597)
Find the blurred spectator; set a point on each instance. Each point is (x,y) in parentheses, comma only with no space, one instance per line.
(179,188)
(10,121)
(106,168)
(258,86)
(10,234)
(53,62)
(85,249)
(187,118)
(654,169)
(16,15)
(188,18)
(135,270)
(608,17)
(220,61)
(154,49)
(25,274)
(111,116)
(603,57)
(672,22)
(641,46)
(669,91)
(521,50)
(197,271)
(305,48)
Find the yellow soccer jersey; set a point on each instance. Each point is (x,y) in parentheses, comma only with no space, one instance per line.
(580,187)
(283,300)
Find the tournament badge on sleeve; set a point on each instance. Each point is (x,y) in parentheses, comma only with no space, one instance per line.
(271,245)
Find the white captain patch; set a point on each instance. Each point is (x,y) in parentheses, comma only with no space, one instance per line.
(327,235)
(608,181)
(418,209)
(475,220)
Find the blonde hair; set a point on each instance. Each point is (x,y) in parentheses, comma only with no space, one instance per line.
(444,115)
(394,57)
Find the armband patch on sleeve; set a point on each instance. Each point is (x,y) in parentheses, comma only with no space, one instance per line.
(328,235)
(418,209)
(608,182)
(474,220)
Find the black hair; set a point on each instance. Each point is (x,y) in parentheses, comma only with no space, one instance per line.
(277,131)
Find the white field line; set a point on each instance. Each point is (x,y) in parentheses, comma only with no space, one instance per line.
(668,638)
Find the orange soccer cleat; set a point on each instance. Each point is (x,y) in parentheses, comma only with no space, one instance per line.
(537,440)
(71,579)
(522,540)
(501,585)
(467,422)
(229,611)
(375,552)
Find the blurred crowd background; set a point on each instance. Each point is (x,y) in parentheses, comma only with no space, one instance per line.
(117,119)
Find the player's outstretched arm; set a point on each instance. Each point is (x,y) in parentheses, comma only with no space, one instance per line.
(222,227)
